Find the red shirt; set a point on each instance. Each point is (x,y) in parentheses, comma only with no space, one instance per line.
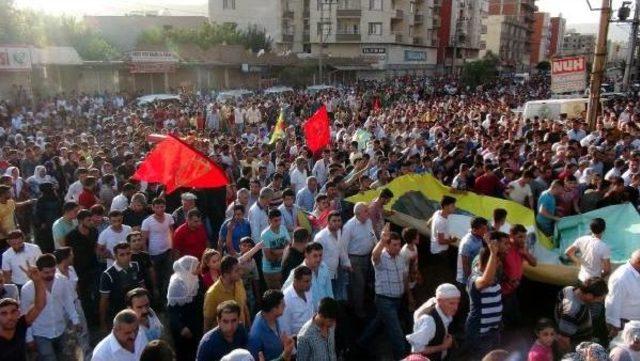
(487,184)
(512,267)
(87,199)
(189,241)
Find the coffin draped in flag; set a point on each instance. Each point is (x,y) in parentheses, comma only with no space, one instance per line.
(417,197)
(316,130)
(176,164)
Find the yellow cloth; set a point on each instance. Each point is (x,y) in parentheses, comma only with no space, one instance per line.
(7,219)
(217,293)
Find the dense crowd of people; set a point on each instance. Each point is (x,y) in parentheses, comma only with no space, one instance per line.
(97,265)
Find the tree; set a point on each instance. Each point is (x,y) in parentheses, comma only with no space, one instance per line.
(38,29)
(544,66)
(480,71)
(206,36)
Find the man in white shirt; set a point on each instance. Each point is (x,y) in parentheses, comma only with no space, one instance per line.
(297,298)
(616,171)
(73,193)
(258,219)
(634,168)
(124,343)
(238,118)
(18,256)
(442,307)
(112,235)
(299,175)
(440,235)
(359,239)
(334,252)
(157,229)
(519,190)
(622,303)
(49,327)
(121,201)
(321,168)
(594,255)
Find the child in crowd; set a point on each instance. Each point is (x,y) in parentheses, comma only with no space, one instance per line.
(545,335)
(210,267)
(250,275)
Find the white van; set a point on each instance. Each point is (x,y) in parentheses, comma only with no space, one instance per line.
(553,108)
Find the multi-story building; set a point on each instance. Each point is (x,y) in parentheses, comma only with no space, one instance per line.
(509,29)
(540,38)
(459,34)
(401,36)
(558,24)
(575,43)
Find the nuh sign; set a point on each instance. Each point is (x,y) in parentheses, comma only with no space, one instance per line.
(569,65)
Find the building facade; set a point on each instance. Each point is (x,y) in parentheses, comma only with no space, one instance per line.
(462,23)
(575,43)
(540,38)
(558,25)
(510,25)
(400,36)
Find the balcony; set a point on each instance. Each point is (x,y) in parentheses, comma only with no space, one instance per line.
(418,18)
(397,38)
(397,14)
(306,37)
(306,13)
(418,40)
(483,29)
(348,13)
(287,14)
(348,36)
(434,42)
(436,23)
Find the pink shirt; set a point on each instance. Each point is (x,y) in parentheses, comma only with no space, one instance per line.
(540,352)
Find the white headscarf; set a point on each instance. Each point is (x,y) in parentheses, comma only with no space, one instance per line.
(630,334)
(37,178)
(17,183)
(184,284)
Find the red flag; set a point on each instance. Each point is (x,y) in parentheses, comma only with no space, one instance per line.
(316,130)
(176,164)
(376,104)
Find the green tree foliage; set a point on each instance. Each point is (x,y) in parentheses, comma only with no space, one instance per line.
(544,66)
(206,36)
(38,29)
(481,71)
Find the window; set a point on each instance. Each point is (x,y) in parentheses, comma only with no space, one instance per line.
(229,4)
(375,28)
(375,4)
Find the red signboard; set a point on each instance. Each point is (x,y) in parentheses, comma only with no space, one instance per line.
(152,67)
(568,75)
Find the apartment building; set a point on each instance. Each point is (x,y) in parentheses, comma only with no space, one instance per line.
(575,43)
(509,27)
(462,26)
(400,36)
(540,38)
(558,25)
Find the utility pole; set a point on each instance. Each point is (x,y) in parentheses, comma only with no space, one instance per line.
(325,26)
(633,38)
(600,58)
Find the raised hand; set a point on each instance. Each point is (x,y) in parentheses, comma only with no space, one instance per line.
(32,272)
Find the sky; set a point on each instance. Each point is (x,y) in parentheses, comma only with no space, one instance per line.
(575,11)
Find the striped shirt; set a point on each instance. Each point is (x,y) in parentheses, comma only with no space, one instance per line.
(486,307)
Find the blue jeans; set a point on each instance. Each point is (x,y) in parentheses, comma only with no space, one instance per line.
(50,349)
(482,344)
(163,265)
(388,315)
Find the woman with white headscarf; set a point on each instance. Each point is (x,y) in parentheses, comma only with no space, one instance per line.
(629,348)
(20,193)
(38,178)
(184,306)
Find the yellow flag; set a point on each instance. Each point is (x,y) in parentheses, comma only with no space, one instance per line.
(278,131)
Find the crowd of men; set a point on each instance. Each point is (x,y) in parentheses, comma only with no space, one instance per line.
(279,266)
